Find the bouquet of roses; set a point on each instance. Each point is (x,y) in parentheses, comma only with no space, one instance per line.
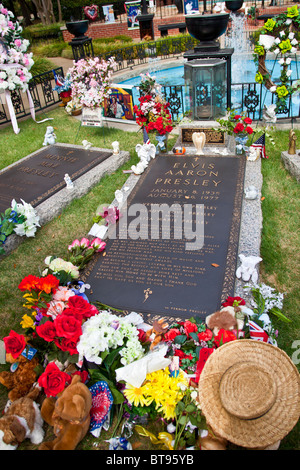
(15,62)
(57,314)
(236,124)
(153,112)
(91,79)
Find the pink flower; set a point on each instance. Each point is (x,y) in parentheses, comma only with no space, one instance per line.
(74,244)
(84,243)
(63,294)
(98,244)
(18,42)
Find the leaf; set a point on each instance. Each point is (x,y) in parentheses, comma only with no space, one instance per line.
(280,315)
(194,336)
(180,339)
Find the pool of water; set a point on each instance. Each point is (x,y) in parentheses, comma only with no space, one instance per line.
(242,70)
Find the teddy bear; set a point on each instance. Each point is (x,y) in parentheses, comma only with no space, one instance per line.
(228,318)
(22,379)
(69,414)
(49,137)
(22,419)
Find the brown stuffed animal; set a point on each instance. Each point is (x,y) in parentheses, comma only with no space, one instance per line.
(22,420)
(159,328)
(69,415)
(226,318)
(21,381)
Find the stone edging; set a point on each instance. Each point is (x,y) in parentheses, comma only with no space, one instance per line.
(53,206)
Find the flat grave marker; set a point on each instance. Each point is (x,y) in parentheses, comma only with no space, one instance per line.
(160,277)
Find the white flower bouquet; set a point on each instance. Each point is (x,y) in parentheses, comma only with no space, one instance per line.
(105,332)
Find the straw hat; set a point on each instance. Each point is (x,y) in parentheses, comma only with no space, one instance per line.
(249,392)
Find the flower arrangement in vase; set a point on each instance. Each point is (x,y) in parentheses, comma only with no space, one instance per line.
(15,62)
(153,112)
(237,125)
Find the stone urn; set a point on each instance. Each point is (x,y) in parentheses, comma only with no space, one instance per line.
(77,28)
(234,5)
(207,28)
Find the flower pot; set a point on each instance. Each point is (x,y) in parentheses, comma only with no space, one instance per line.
(65,100)
(76,112)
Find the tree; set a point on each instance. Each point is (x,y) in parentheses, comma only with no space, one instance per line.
(45,11)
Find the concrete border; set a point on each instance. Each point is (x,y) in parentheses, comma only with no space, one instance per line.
(54,205)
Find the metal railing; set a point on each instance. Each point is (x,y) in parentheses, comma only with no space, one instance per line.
(41,90)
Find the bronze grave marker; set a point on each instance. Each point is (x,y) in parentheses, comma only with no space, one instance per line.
(160,277)
(41,175)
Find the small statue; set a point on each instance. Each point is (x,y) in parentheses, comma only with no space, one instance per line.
(146,151)
(116,147)
(247,269)
(69,182)
(199,139)
(50,137)
(253,154)
(292,142)
(251,192)
(86,144)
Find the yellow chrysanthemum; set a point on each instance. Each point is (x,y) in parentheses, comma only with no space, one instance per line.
(135,395)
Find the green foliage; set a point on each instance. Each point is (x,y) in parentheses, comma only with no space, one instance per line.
(39,31)
(41,65)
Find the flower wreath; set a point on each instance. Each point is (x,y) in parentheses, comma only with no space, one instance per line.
(280,36)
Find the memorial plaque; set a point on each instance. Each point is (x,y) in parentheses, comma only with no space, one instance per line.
(41,175)
(161,277)
(213,136)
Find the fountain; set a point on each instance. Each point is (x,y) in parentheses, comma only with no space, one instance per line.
(207,71)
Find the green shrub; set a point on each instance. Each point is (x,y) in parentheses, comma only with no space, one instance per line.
(49,49)
(39,31)
(41,65)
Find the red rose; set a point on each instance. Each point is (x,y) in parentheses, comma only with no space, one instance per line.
(249,130)
(171,334)
(205,335)
(203,356)
(142,336)
(179,353)
(53,380)
(47,331)
(230,300)
(67,326)
(80,308)
(224,336)
(248,120)
(237,117)
(68,344)
(189,327)
(83,375)
(14,344)
(238,128)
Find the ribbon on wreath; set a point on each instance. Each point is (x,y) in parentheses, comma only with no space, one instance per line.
(11,108)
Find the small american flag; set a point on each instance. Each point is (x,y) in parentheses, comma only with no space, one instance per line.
(260,143)
(145,135)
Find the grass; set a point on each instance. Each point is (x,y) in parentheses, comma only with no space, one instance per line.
(280,236)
